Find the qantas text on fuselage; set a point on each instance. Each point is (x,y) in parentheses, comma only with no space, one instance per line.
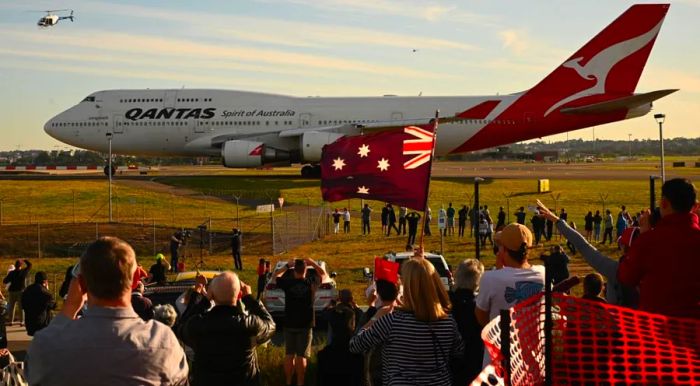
(594,86)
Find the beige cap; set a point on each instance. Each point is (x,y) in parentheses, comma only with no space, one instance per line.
(513,235)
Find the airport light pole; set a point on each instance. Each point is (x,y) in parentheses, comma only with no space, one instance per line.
(109,173)
(477,216)
(629,145)
(660,118)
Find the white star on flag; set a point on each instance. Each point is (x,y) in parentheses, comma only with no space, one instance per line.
(363,150)
(383,164)
(362,190)
(338,163)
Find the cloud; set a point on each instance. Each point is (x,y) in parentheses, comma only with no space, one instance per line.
(514,40)
(114,44)
(419,10)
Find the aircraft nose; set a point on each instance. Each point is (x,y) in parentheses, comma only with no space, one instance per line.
(49,129)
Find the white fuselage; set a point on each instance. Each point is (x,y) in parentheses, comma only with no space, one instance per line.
(182,122)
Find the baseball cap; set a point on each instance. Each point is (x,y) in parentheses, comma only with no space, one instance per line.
(513,236)
(628,236)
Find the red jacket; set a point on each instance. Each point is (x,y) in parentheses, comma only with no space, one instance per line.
(665,264)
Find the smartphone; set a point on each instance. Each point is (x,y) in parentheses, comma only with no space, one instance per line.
(76,270)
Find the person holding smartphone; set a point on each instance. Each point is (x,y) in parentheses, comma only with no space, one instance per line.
(110,344)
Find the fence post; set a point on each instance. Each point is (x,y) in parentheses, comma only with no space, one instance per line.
(272,231)
(143,208)
(38,239)
(548,325)
(154,237)
(210,241)
(73,206)
(504,325)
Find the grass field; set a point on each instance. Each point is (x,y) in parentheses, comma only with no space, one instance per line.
(50,201)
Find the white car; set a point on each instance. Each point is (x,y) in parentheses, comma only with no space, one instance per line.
(273,297)
(441,266)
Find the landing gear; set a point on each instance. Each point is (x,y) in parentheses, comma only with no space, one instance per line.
(311,171)
(114,170)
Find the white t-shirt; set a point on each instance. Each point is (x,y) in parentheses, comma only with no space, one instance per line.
(503,288)
(346,215)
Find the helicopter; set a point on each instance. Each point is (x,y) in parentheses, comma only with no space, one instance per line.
(51,19)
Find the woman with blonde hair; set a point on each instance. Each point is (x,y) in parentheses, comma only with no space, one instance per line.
(420,338)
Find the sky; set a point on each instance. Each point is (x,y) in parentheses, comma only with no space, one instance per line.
(323,48)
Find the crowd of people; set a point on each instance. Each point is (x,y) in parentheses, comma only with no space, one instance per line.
(414,331)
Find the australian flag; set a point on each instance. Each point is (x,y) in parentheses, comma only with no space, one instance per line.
(391,166)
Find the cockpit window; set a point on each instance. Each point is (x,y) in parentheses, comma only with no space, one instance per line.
(89,99)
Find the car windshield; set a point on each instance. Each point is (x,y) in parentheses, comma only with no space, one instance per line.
(435,261)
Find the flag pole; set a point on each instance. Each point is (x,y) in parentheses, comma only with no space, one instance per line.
(427,186)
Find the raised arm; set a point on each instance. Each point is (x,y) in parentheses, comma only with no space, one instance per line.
(601,263)
(319,270)
(279,272)
(258,322)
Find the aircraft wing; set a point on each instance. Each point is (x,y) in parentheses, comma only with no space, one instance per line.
(626,103)
(347,128)
(366,127)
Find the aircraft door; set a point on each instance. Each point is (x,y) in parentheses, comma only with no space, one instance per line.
(169,98)
(201,126)
(304,120)
(396,116)
(118,124)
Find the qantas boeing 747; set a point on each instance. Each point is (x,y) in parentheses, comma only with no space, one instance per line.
(596,85)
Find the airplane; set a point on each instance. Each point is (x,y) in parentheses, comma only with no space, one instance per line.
(51,19)
(595,86)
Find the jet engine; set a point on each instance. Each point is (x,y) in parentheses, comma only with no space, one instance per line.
(250,154)
(639,111)
(312,143)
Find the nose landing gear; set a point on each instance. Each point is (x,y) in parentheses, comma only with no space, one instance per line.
(311,171)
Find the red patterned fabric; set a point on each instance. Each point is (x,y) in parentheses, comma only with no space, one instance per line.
(597,343)
(391,166)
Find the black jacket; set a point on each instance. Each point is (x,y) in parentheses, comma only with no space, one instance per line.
(463,304)
(16,278)
(37,303)
(224,340)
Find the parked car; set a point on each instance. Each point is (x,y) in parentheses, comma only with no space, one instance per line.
(273,297)
(438,261)
(170,291)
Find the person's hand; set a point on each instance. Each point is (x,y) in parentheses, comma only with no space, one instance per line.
(290,263)
(644,221)
(372,297)
(201,279)
(245,289)
(75,299)
(384,310)
(419,253)
(546,212)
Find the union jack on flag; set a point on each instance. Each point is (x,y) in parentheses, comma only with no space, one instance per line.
(422,146)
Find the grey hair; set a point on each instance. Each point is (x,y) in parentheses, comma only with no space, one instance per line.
(165,313)
(468,274)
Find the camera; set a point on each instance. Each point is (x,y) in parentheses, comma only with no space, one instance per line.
(187,233)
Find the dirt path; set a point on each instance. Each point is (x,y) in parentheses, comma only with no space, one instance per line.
(163,188)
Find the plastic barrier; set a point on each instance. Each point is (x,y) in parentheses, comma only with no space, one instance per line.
(597,343)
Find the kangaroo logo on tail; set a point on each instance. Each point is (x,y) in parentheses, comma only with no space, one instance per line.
(600,65)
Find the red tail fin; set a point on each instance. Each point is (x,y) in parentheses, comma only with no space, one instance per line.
(608,65)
